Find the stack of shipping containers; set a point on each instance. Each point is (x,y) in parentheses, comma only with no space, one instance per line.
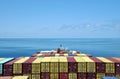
(17,66)
(54,68)
(8,67)
(36,68)
(2,62)
(45,68)
(81,69)
(61,67)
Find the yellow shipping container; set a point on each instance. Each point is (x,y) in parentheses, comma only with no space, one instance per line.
(54,76)
(57,54)
(110,66)
(28,75)
(54,64)
(91,67)
(81,55)
(100,75)
(63,64)
(35,76)
(66,55)
(72,75)
(118,76)
(36,64)
(81,64)
(20,77)
(17,66)
(45,64)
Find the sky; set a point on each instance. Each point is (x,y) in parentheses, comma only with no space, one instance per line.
(59,18)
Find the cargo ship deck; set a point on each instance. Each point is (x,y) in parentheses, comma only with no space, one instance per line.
(60,64)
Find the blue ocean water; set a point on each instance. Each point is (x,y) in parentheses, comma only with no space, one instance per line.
(16,47)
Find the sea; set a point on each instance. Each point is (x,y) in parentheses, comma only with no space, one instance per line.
(100,47)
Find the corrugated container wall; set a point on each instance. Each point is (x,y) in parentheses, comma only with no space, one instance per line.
(27,66)
(54,64)
(110,66)
(117,65)
(91,68)
(2,62)
(81,64)
(45,75)
(54,76)
(36,64)
(63,64)
(72,64)
(100,65)
(8,67)
(72,75)
(45,64)
(17,66)
(63,75)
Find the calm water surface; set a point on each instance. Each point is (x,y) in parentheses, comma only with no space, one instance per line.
(16,47)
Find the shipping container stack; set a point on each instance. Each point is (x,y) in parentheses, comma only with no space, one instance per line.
(8,67)
(60,66)
(2,62)
(61,54)
(17,66)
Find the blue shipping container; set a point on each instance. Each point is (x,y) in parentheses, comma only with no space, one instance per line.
(107,77)
(2,62)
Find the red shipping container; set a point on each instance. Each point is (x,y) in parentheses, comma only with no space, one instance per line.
(27,66)
(63,75)
(81,75)
(8,67)
(46,55)
(110,74)
(117,65)
(91,76)
(72,64)
(44,75)
(100,65)
(52,54)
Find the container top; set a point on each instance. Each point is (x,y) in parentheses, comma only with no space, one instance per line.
(117,59)
(71,59)
(22,60)
(5,77)
(114,60)
(87,59)
(63,59)
(104,60)
(107,77)
(37,60)
(65,54)
(30,60)
(20,77)
(81,54)
(11,62)
(5,60)
(46,59)
(79,59)
(54,59)
(96,59)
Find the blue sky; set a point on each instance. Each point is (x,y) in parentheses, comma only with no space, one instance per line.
(60,18)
